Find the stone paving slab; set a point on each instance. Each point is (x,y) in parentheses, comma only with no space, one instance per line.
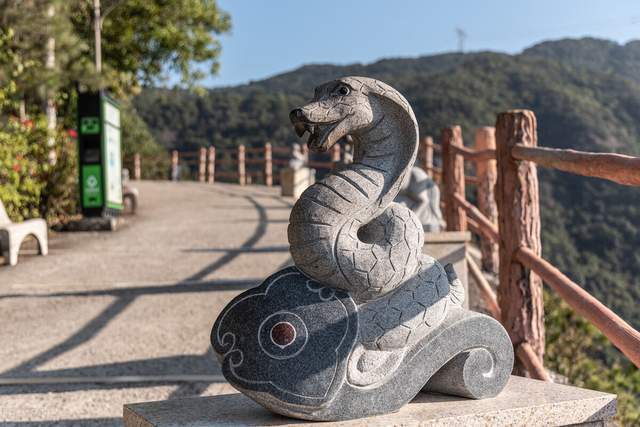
(137,302)
(524,402)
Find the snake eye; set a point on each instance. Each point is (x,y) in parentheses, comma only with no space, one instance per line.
(343,90)
(282,335)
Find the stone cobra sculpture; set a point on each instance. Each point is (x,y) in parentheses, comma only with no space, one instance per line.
(364,321)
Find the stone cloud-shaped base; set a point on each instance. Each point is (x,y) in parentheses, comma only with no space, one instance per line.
(289,337)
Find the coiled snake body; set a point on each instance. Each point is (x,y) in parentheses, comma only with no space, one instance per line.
(346,231)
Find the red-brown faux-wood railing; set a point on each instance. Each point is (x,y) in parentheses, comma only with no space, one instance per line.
(510,162)
(206,159)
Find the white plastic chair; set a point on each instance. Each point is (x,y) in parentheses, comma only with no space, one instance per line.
(12,234)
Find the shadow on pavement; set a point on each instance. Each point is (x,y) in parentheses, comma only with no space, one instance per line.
(135,291)
(277,248)
(190,364)
(88,422)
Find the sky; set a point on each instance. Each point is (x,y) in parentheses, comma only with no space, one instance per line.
(272,36)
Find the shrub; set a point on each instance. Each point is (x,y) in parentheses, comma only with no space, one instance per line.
(578,351)
(30,184)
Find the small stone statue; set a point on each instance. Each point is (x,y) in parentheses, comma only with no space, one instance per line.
(297,177)
(365,320)
(347,154)
(421,194)
(298,159)
(130,194)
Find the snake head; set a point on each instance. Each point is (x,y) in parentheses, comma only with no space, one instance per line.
(339,108)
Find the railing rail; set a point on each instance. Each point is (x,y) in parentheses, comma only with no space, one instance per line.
(531,361)
(619,332)
(619,168)
(483,224)
(475,155)
(488,296)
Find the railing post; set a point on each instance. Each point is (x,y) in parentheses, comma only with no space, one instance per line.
(487,176)
(136,167)
(174,165)
(211,165)
(202,164)
(242,177)
(427,155)
(268,166)
(453,179)
(335,155)
(520,290)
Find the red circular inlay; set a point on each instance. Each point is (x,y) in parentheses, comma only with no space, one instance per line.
(283,334)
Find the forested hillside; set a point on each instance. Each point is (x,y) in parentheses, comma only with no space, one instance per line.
(585,93)
(593,54)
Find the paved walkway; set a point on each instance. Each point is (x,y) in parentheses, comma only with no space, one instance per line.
(135,306)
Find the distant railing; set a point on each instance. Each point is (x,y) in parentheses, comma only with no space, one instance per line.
(243,165)
(507,220)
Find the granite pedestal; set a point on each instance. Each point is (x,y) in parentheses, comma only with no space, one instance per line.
(523,402)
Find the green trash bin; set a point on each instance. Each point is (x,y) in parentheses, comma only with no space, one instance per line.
(100,158)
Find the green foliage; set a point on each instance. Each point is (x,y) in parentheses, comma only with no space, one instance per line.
(30,186)
(60,197)
(222,118)
(20,186)
(136,138)
(31,26)
(578,351)
(594,54)
(143,40)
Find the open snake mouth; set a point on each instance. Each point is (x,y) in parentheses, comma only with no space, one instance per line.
(318,139)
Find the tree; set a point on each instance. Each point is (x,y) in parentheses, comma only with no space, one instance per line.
(144,40)
(46,53)
(32,25)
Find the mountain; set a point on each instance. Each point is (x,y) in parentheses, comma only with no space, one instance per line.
(585,93)
(593,54)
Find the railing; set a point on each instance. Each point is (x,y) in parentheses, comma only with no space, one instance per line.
(507,220)
(235,164)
